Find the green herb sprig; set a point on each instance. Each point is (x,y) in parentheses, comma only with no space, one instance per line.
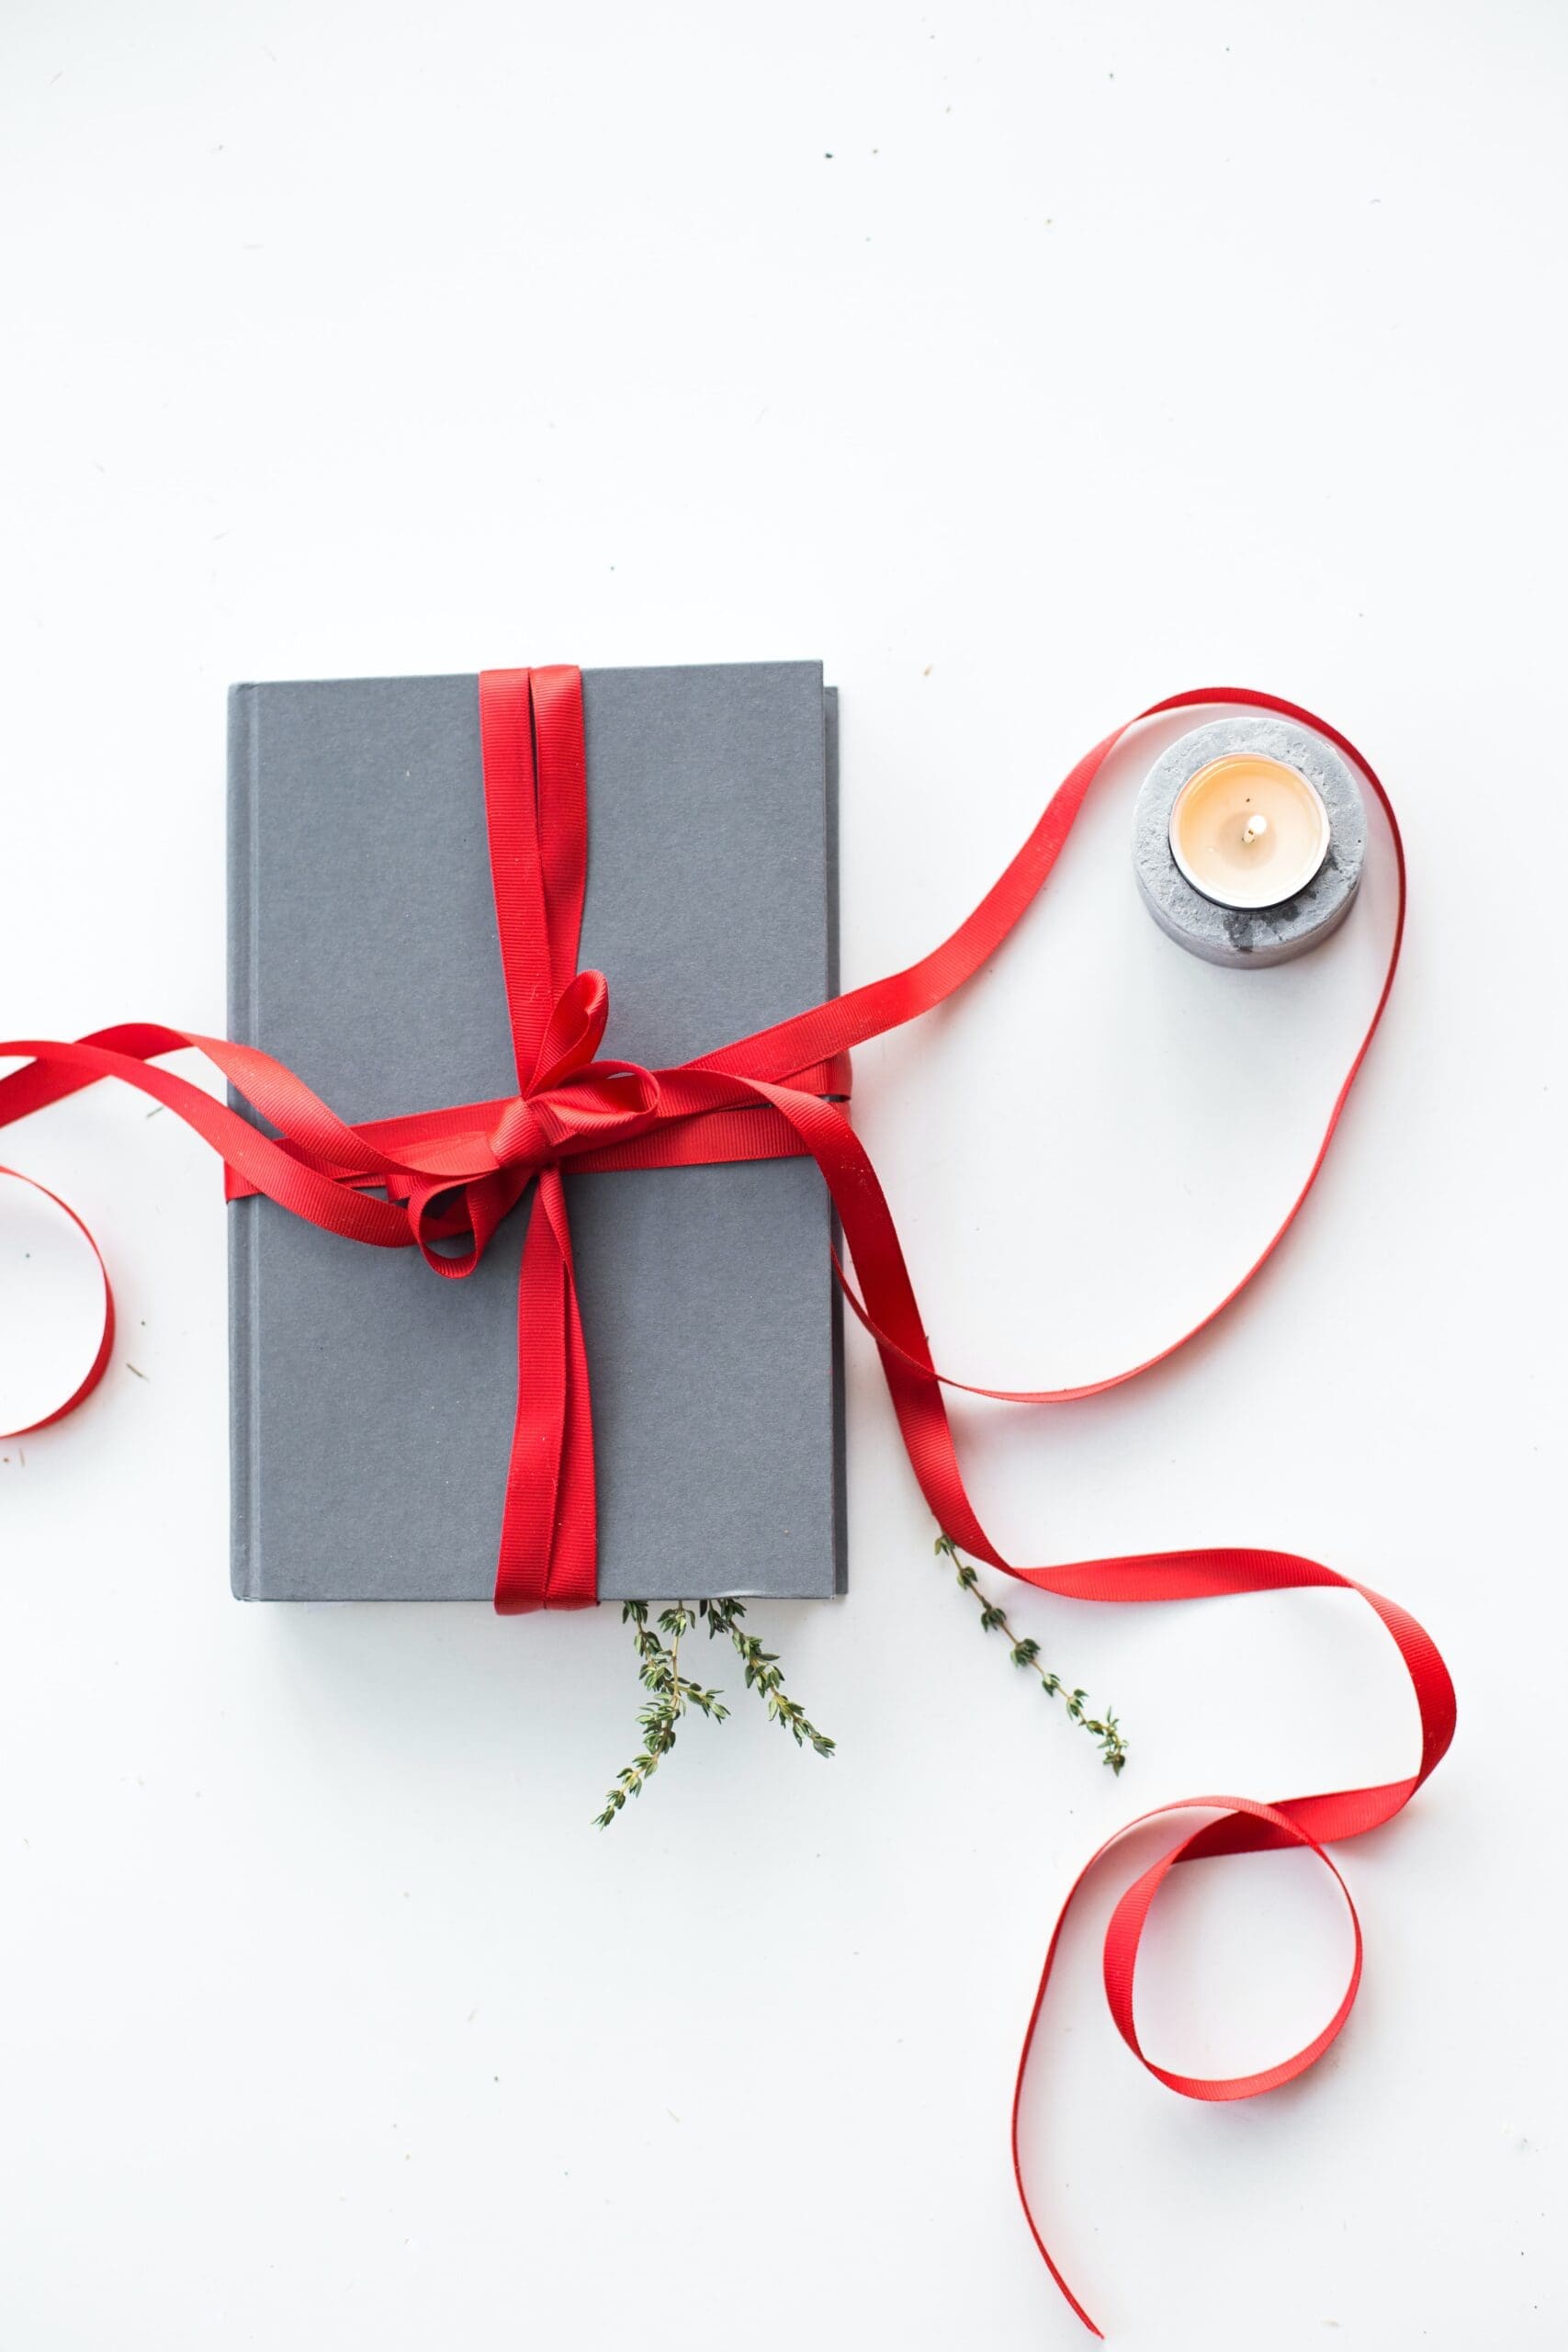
(671,1692)
(764,1674)
(1025,1652)
(670,1695)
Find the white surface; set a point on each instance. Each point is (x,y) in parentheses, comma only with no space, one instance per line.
(1026,363)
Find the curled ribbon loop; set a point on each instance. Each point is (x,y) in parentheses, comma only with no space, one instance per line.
(452,1175)
(99,1363)
(1125,1931)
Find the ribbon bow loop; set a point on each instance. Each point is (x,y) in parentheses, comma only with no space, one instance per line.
(574,1032)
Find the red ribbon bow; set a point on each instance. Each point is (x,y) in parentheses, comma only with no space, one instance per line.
(443,1176)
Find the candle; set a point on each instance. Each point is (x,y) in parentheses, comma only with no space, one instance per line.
(1248,830)
(1249,840)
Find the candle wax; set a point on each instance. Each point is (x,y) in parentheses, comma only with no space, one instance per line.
(1248,832)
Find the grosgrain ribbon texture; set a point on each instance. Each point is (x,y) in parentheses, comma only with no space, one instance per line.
(442,1181)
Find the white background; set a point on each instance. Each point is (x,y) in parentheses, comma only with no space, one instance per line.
(1025,364)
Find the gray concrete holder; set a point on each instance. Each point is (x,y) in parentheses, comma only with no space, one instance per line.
(1251,935)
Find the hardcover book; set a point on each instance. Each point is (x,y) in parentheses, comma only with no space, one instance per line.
(371,1403)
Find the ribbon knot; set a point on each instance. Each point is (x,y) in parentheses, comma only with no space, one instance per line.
(574,1102)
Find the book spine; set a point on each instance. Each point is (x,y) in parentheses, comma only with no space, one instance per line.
(835,1297)
(243,1564)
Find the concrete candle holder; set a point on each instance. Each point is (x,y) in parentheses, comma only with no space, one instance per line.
(1251,935)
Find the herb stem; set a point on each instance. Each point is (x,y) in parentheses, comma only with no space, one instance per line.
(764,1674)
(1025,1652)
(671,1694)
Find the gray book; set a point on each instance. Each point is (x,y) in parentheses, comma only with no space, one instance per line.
(371,1402)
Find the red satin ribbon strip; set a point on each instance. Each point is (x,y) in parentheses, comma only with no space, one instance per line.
(448,1177)
(99,1364)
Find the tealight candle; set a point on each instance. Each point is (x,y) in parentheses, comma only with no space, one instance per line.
(1249,840)
(1248,832)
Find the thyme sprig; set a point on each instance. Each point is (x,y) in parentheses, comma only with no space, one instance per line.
(1025,1652)
(672,1693)
(764,1674)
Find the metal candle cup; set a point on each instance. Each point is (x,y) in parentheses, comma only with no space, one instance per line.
(1248,832)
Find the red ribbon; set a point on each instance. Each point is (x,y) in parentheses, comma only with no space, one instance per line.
(449,1177)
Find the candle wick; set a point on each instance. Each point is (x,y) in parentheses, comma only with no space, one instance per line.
(1255,828)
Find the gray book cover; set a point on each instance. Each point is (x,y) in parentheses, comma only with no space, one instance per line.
(371,1403)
